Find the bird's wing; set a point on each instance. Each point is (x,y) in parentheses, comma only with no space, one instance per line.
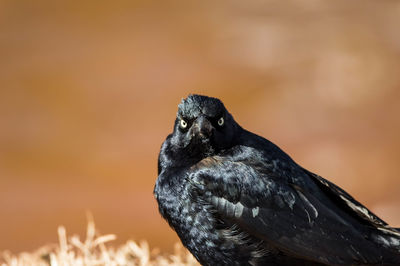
(354,208)
(286,216)
(342,198)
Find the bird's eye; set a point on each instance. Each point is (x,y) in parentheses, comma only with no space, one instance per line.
(183,123)
(221,122)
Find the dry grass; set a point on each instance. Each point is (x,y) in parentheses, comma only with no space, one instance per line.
(94,251)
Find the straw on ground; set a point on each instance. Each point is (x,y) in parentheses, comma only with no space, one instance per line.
(96,250)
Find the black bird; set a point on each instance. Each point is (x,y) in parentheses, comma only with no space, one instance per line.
(235,198)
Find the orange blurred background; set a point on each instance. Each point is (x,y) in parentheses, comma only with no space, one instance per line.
(89,91)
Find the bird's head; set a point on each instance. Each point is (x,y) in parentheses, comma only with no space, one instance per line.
(203,126)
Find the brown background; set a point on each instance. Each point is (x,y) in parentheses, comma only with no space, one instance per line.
(89,90)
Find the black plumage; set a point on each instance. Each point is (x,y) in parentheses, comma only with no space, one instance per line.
(235,198)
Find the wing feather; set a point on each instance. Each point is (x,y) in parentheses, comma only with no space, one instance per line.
(292,218)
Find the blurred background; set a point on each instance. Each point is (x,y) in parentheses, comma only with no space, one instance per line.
(89,91)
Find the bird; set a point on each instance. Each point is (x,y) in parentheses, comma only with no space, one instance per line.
(235,198)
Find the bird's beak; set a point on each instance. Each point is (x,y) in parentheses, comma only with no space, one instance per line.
(202,128)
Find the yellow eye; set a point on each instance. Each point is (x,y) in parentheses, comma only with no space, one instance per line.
(183,123)
(221,122)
